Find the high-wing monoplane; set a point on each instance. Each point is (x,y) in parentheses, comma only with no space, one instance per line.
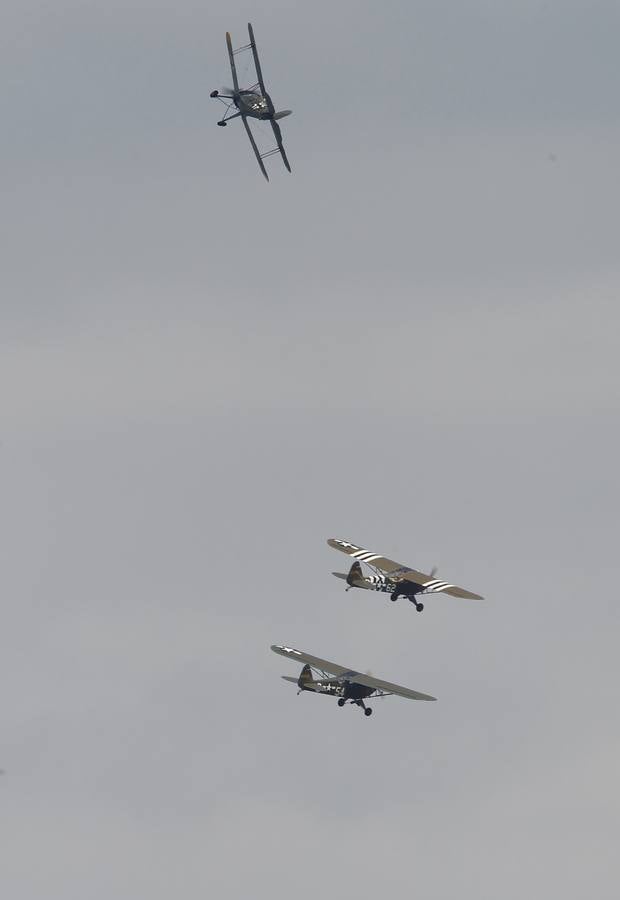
(392,577)
(323,677)
(253,102)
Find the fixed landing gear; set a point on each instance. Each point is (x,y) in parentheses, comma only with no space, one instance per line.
(419,607)
(360,703)
(222,124)
(214,94)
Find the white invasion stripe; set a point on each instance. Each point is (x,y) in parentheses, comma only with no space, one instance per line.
(437,588)
(358,552)
(434,581)
(367,556)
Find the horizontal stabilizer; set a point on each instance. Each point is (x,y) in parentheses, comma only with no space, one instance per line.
(289,678)
(340,575)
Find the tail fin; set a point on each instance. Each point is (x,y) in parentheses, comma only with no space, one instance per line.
(305,679)
(355,574)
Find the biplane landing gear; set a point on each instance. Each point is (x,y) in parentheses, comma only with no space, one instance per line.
(222,124)
(214,94)
(368,711)
(341,701)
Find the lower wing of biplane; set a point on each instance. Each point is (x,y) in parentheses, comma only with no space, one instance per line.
(393,578)
(253,102)
(323,677)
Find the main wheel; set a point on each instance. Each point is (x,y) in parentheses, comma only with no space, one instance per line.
(214,94)
(419,607)
(368,711)
(341,701)
(222,124)
(393,597)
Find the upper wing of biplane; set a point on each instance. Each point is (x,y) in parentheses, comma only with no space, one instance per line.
(349,674)
(231,56)
(399,572)
(259,74)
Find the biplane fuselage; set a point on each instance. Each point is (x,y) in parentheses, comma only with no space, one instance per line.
(250,103)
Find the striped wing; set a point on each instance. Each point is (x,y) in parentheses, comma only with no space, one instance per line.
(436,586)
(399,572)
(394,569)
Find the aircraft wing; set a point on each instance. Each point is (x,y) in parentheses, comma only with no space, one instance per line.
(259,73)
(254,147)
(389,688)
(389,566)
(399,572)
(349,674)
(435,586)
(315,661)
(231,57)
(278,136)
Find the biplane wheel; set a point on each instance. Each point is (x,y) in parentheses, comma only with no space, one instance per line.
(419,607)
(223,124)
(368,711)
(214,94)
(341,701)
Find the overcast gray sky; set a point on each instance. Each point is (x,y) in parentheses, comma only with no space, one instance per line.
(410,342)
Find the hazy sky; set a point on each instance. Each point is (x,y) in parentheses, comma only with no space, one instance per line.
(412,343)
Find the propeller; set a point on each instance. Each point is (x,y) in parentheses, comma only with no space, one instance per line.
(433,571)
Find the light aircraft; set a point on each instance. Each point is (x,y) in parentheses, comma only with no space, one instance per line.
(253,102)
(338,681)
(396,580)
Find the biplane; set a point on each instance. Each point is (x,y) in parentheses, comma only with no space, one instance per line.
(252,103)
(323,677)
(392,577)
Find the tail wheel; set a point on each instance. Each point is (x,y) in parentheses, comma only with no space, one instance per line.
(368,711)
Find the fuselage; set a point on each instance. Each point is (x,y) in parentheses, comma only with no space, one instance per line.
(252,104)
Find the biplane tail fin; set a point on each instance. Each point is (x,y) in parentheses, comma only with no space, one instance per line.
(305,678)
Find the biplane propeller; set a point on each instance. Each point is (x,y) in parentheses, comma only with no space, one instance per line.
(253,102)
(392,577)
(323,677)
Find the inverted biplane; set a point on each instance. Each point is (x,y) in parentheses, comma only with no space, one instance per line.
(253,102)
(393,578)
(347,685)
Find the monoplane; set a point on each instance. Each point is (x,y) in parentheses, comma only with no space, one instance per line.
(392,577)
(253,102)
(347,685)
